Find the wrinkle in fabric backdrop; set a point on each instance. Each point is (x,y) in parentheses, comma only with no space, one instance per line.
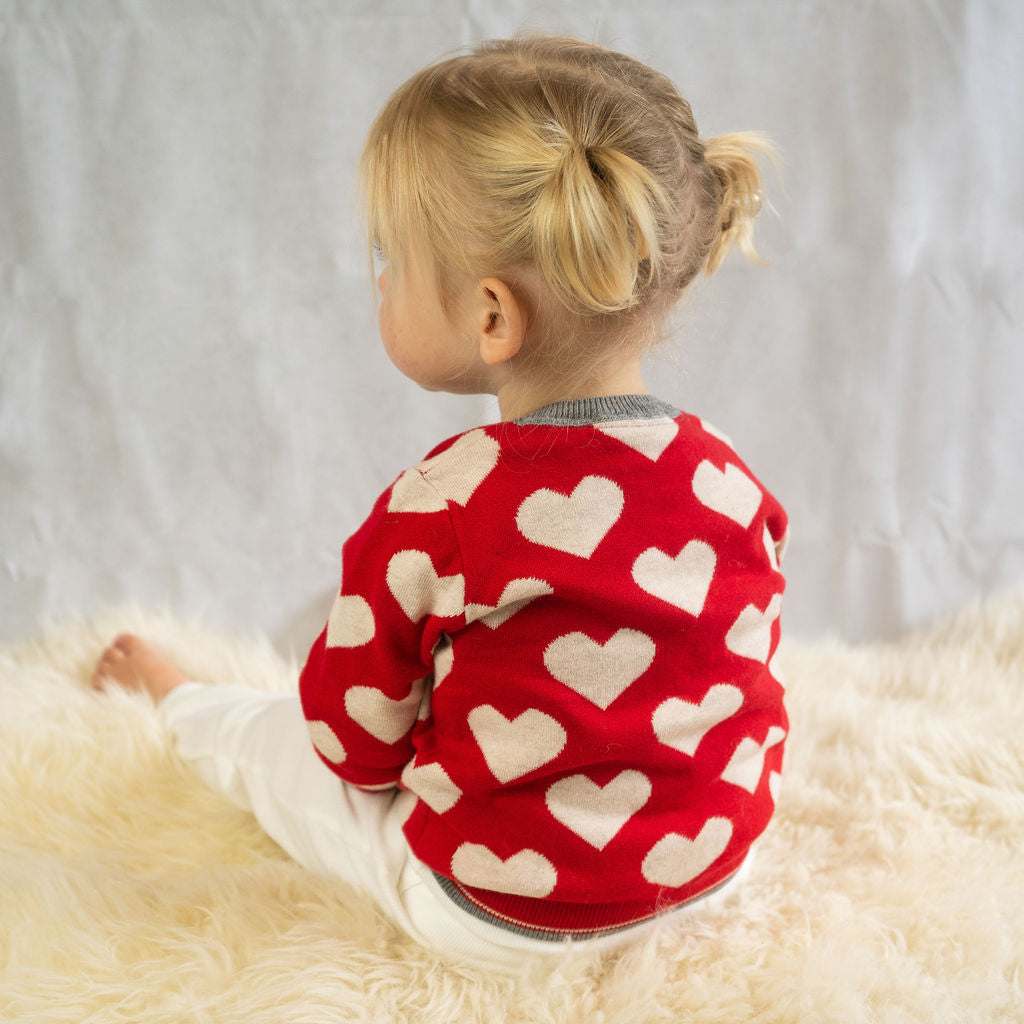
(194,406)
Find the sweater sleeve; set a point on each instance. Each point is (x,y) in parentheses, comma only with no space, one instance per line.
(368,676)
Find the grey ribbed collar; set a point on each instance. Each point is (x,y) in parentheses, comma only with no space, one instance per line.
(582,412)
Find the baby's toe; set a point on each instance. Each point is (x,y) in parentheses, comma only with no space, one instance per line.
(106,663)
(127,644)
(112,656)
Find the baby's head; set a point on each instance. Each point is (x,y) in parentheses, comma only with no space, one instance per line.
(571,172)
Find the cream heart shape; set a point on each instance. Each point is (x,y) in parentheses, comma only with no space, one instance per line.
(350,623)
(675,860)
(600,673)
(730,492)
(326,741)
(597,813)
(432,784)
(419,590)
(682,725)
(574,523)
(386,719)
(513,748)
(746,765)
(411,493)
(750,636)
(683,581)
(648,437)
(461,468)
(515,596)
(454,475)
(526,873)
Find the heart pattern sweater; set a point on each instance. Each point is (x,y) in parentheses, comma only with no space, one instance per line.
(559,635)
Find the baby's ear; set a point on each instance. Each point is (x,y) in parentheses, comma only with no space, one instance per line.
(501,322)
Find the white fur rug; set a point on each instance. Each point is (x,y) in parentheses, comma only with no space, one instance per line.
(890,886)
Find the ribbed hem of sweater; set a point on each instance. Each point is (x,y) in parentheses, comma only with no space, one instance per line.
(581,921)
(582,412)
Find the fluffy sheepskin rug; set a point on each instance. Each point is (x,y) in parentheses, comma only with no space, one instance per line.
(890,886)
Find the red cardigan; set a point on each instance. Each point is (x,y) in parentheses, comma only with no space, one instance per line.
(560,639)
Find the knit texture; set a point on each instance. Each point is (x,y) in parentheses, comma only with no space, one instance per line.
(560,638)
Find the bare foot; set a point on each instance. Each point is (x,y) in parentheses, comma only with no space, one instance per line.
(133,664)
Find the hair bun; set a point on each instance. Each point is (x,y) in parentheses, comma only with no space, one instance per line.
(733,160)
(596,228)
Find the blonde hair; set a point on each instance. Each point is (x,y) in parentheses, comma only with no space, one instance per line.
(562,159)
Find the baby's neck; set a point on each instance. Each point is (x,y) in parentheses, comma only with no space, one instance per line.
(516,398)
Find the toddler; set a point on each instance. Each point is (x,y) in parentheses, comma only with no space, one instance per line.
(543,709)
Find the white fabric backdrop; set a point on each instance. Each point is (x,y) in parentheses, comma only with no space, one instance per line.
(195,409)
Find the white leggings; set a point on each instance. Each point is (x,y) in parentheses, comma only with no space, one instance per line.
(254,748)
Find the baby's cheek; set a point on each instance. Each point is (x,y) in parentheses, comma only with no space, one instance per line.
(387,333)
